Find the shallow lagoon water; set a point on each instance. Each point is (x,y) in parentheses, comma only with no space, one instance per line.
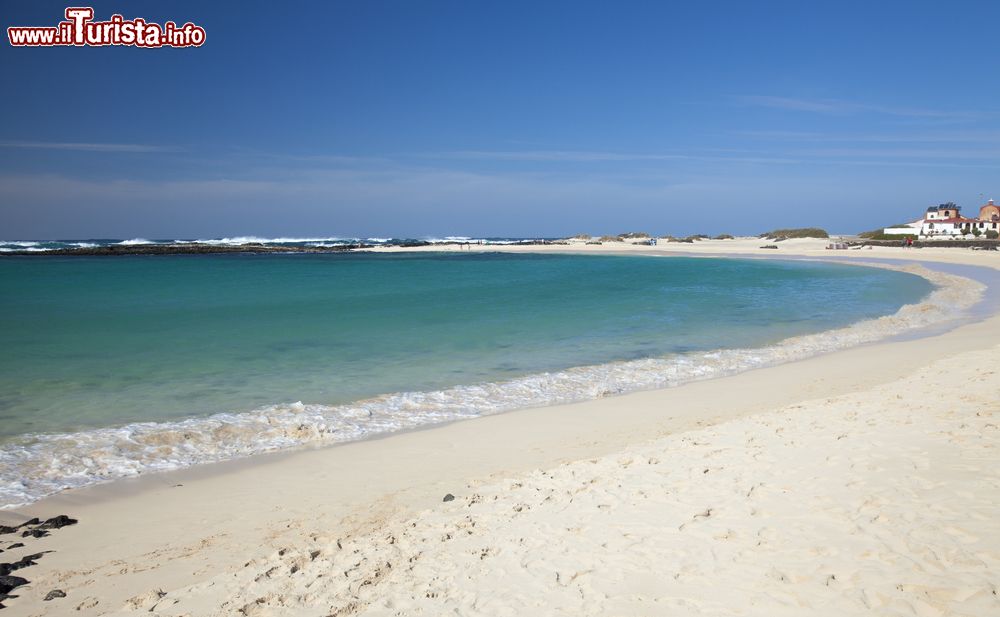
(116,366)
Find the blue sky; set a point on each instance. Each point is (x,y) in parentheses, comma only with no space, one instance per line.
(410,118)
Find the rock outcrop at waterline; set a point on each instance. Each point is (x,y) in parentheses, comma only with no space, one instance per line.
(253,248)
(190,249)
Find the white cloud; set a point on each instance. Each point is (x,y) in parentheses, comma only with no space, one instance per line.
(841,107)
(583,156)
(84,147)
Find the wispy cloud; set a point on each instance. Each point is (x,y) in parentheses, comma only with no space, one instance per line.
(781,102)
(84,147)
(986,136)
(583,156)
(842,107)
(937,154)
(572,156)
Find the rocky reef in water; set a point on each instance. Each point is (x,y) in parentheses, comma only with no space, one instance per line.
(191,249)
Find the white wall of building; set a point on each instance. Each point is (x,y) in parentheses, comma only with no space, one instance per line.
(932,229)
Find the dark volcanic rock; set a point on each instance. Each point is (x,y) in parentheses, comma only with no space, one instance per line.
(15,545)
(55,593)
(449,497)
(28,523)
(23,562)
(58,522)
(34,533)
(8,583)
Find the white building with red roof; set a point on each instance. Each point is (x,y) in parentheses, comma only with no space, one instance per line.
(945,221)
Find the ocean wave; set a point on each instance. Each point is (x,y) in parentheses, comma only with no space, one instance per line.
(24,249)
(449,239)
(35,466)
(318,242)
(238,240)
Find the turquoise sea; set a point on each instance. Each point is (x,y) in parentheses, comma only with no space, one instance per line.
(114,366)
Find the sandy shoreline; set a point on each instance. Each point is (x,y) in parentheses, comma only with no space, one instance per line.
(221,529)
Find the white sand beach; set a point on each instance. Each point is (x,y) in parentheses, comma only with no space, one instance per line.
(860,482)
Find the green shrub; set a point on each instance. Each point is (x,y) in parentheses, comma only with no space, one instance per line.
(992,234)
(801,232)
(883,236)
(879,234)
(723,237)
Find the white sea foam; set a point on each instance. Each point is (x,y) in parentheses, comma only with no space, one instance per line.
(26,246)
(448,239)
(35,466)
(238,240)
(35,247)
(135,241)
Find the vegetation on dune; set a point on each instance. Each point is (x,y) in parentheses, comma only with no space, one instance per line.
(872,235)
(879,234)
(609,239)
(723,237)
(801,232)
(582,237)
(632,235)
